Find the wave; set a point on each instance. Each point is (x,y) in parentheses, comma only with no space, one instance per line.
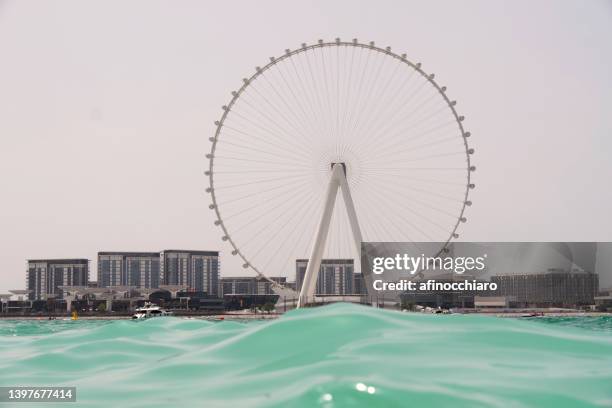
(333,356)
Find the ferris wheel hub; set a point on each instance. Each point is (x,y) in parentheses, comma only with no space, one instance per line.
(341,164)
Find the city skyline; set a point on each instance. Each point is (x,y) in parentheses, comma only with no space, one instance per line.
(515,259)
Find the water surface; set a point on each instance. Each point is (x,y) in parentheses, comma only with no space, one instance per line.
(334,356)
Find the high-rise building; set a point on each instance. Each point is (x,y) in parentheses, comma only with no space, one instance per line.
(46,276)
(359,284)
(198,270)
(554,288)
(138,269)
(336,276)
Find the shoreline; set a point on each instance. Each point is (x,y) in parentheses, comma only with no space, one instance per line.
(216,317)
(269,316)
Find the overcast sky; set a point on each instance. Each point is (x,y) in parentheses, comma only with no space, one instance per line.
(106,108)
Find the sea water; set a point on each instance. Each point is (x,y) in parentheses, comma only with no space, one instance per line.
(340,355)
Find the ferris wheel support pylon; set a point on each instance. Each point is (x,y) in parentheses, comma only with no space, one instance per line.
(337,181)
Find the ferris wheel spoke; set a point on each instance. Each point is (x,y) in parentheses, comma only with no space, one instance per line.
(419,215)
(358,94)
(408,182)
(425,104)
(295,188)
(321,67)
(415,125)
(262,181)
(369,203)
(287,204)
(327,90)
(280,114)
(298,125)
(400,136)
(369,226)
(374,117)
(382,105)
(233,200)
(279,164)
(247,138)
(284,224)
(456,184)
(427,157)
(257,171)
(306,125)
(428,204)
(388,123)
(396,134)
(304,90)
(267,153)
(433,169)
(254,220)
(385,118)
(431,115)
(378,225)
(305,232)
(307,117)
(314,82)
(437,142)
(347,92)
(286,141)
(354,128)
(338,79)
(406,103)
(435,194)
(343,96)
(240,198)
(308,90)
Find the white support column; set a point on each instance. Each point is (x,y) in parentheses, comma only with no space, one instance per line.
(337,181)
(352,215)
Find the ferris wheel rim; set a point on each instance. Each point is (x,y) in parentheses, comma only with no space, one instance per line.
(321,44)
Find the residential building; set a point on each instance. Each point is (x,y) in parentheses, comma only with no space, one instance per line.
(336,276)
(359,284)
(249,285)
(46,276)
(553,288)
(138,269)
(198,270)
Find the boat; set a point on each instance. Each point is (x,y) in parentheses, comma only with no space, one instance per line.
(150,310)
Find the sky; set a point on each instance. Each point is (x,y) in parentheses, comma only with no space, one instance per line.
(106,108)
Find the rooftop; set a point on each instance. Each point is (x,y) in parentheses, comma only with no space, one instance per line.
(128,253)
(60,261)
(190,251)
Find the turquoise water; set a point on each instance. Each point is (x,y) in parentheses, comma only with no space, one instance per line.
(335,356)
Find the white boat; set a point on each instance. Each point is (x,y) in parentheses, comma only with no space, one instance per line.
(150,310)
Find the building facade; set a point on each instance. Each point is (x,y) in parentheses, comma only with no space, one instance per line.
(138,269)
(198,270)
(46,276)
(249,285)
(554,288)
(336,276)
(359,284)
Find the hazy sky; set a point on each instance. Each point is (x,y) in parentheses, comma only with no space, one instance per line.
(106,108)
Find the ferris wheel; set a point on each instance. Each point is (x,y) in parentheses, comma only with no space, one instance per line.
(329,117)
